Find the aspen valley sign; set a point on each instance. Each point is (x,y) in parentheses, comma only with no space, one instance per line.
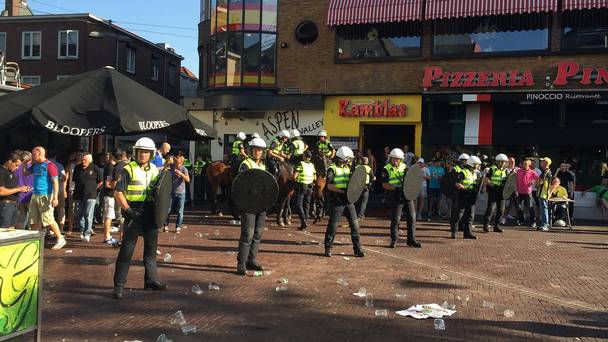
(566,72)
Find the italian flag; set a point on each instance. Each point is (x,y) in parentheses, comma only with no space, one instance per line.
(473,125)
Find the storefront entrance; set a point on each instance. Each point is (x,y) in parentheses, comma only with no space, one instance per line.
(377,136)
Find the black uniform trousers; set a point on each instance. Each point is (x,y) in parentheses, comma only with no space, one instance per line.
(362,202)
(495,209)
(303,198)
(337,206)
(398,203)
(463,212)
(252,226)
(145,226)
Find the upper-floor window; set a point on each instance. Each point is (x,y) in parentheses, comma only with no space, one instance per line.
(31,46)
(373,41)
(131,53)
(31,80)
(172,74)
(586,29)
(242,49)
(154,72)
(67,44)
(494,34)
(3,43)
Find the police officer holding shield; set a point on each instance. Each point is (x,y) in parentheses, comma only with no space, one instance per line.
(495,181)
(464,205)
(392,181)
(134,195)
(252,224)
(305,175)
(338,176)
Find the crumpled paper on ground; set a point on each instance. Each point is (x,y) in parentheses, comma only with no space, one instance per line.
(422,311)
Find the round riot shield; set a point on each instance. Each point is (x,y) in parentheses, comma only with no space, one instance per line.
(510,185)
(356,184)
(162,198)
(447,185)
(412,182)
(254,191)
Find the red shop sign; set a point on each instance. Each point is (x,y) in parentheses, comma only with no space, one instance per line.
(374,109)
(511,78)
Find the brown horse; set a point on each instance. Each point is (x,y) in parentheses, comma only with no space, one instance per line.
(218,175)
(287,186)
(318,194)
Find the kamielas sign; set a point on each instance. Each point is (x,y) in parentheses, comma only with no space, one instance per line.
(567,72)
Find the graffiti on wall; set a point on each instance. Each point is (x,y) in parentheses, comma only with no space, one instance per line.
(289,119)
(19,286)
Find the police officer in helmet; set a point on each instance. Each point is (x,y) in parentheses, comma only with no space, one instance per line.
(298,147)
(495,181)
(338,175)
(238,152)
(134,195)
(276,152)
(392,181)
(252,225)
(464,206)
(305,176)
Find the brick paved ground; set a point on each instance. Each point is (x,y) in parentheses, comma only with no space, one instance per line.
(556,283)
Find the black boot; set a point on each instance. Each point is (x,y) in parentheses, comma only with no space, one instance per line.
(358,252)
(241,269)
(117,293)
(453,236)
(485,228)
(253,266)
(414,244)
(393,244)
(155,286)
(497,229)
(328,252)
(470,236)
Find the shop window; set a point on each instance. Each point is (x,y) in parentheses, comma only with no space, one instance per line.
(375,41)
(587,29)
(494,34)
(242,48)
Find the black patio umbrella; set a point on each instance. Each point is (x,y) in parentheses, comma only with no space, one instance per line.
(191,129)
(102,101)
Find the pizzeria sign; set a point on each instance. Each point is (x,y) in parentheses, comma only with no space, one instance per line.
(567,72)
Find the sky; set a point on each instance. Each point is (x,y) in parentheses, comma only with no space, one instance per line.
(147,18)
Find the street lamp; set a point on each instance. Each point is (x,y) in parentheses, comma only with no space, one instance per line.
(117,37)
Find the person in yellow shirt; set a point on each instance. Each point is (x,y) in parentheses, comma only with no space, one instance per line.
(559,209)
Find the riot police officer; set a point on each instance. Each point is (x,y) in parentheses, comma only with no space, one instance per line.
(324,147)
(238,152)
(392,181)
(298,146)
(495,181)
(369,180)
(305,175)
(134,195)
(338,175)
(276,152)
(464,205)
(252,225)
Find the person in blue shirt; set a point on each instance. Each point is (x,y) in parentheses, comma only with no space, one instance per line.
(434,186)
(159,155)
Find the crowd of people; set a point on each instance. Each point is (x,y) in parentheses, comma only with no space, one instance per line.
(116,191)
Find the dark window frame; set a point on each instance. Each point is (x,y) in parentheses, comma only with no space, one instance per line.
(578,50)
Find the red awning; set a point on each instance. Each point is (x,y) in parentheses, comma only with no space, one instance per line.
(442,9)
(347,12)
(584,4)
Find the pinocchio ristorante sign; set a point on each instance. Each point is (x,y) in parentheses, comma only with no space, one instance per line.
(567,72)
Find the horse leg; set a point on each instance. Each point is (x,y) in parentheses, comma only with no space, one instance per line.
(289,211)
(280,214)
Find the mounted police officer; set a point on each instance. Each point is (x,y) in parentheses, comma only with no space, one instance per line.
(276,152)
(252,225)
(238,152)
(338,175)
(324,148)
(464,206)
(134,195)
(298,146)
(392,181)
(495,181)
(305,175)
